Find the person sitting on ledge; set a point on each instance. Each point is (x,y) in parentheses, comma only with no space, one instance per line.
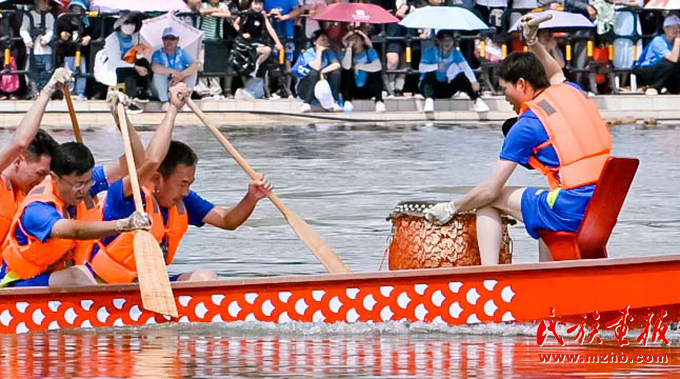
(659,65)
(446,72)
(361,71)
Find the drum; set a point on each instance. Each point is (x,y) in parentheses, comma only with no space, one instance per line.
(417,243)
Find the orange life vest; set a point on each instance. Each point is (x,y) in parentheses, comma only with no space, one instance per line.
(115,262)
(576,131)
(9,203)
(36,257)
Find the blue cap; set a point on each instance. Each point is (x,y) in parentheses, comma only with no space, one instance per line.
(170,32)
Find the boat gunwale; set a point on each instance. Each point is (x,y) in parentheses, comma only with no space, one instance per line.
(294,279)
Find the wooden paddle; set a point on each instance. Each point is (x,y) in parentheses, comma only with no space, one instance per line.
(72,112)
(154,283)
(309,236)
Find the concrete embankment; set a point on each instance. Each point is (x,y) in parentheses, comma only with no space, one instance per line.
(93,113)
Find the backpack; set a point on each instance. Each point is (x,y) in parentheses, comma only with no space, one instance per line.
(10,82)
(242,58)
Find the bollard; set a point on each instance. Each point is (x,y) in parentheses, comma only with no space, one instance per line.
(525,48)
(482,48)
(79,58)
(504,51)
(408,54)
(611,52)
(589,49)
(8,57)
(282,56)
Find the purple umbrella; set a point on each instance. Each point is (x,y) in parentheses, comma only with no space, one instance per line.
(560,20)
(110,6)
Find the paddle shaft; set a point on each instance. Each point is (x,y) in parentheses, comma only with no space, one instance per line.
(72,112)
(129,158)
(312,240)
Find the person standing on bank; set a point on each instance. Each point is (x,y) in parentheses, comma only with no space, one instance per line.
(361,71)
(446,72)
(569,148)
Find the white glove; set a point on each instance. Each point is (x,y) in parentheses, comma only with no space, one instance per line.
(441,213)
(113,98)
(529,31)
(60,77)
(136,221)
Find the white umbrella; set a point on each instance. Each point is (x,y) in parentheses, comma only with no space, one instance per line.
(444,17)
(189,37)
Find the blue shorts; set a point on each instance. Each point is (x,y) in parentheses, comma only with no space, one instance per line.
(564,215)
(42,280)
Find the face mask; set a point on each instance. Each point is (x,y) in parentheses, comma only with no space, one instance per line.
(127,29)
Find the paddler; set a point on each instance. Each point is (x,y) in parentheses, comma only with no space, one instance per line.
(57,223)
(25,161)
(166,177)
(559,132)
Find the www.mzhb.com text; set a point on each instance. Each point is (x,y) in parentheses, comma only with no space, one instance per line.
(616,358)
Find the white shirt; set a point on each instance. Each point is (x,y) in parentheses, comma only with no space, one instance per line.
(38,48)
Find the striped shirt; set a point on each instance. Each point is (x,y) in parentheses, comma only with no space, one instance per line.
(212,26)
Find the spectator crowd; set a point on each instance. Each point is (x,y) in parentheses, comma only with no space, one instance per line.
(275,49)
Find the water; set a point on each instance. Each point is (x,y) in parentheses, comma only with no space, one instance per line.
(344,180)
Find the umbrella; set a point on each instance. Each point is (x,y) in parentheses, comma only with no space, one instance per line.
(447,18)
(356,12)
(112,6)
(560,20)
(663,4)
(189,37)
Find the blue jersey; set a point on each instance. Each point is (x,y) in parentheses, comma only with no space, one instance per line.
(39,218)
(118,206)
(363,58)
(656,51)
(178,61)
(284,29)
(565,209)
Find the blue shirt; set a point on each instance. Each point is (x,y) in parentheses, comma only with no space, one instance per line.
(178,61)
(118,206)
(656,51)
(327,58)
(363,58)
(454,60)
(39,218)
(283,29)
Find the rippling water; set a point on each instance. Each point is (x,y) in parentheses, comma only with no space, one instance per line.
(344,179)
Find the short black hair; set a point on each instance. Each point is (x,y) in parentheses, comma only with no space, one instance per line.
(42,144)
(521,64)
(72,158)
(256,1)
(317,33)
(178,153)
(444,33)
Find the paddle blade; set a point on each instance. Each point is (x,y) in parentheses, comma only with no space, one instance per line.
(315,243)
(154,283)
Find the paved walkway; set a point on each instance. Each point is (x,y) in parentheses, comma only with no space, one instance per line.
(94,113)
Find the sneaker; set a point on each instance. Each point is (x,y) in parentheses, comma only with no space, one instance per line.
(479,106)
(651,92)
(218,97)
(429,105)
(336,108)
(380,107)
(134,109)
(348,107)
(80,98)
(140,100)
(306,108)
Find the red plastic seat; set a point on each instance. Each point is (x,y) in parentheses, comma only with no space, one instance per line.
(601,215)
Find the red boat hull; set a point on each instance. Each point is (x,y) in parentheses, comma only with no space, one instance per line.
(461,295)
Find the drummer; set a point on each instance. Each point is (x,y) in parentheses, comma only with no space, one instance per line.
(166,178)
(571,161)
